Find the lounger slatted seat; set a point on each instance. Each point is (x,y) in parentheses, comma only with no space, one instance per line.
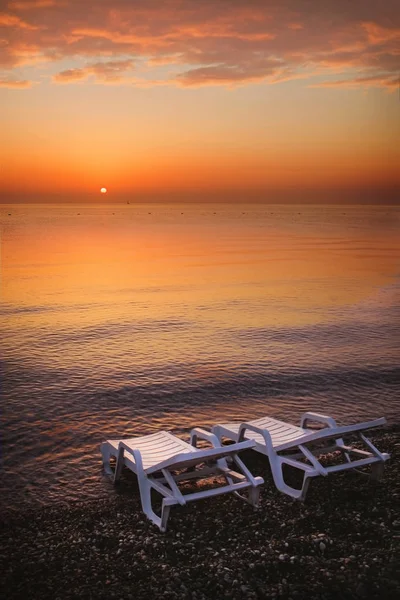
(162,460)
(303,447)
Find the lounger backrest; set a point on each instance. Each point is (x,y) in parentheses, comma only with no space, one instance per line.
(187,459)
(330,432)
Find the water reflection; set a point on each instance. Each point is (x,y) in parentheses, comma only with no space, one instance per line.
(125,323)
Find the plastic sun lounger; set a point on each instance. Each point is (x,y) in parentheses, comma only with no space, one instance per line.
(155,459)
(304,447)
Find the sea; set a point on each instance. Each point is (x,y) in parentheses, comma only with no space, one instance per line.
(119,320)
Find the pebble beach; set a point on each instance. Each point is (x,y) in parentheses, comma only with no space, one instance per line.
(342,543)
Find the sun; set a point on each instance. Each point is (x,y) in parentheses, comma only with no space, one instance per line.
(103,190)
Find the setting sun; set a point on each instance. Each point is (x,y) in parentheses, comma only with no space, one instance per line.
(103,190)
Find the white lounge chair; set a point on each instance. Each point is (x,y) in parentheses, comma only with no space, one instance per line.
(302,447)
(155,459)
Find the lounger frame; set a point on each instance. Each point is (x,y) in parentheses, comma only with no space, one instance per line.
(304,452)
(165,475)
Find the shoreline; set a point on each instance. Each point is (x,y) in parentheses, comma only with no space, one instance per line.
(342,543)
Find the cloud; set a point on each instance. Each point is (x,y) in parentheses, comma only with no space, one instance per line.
(389,82)
(32,4)
(106,72)
(229,42)
(71,75)
(218,75)
(377,34)
(15,83)
(295,26)
(9,20)
(225,74)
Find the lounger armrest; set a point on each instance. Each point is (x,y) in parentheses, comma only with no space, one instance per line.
(264,432)
(318,418)
(202,434)
(122,446)
(332,432)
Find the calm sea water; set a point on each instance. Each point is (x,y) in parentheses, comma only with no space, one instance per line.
(127,319)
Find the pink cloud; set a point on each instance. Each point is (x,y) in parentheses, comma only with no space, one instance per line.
(377,34)
(32,4)
(71,75)
(388,82)
(9,20)
(229,42)
(106,72)
(15,83)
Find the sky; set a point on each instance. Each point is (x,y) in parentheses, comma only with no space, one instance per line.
(243,100)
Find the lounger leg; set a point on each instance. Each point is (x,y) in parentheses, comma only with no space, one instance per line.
(105,453)
(254,496)
(145,497)
(277,473)
(166,507)
(119,465)
(304,489)
(377,470)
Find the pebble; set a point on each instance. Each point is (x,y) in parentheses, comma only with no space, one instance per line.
(106,549)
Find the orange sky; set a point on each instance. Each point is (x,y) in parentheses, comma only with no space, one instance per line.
(213,100)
